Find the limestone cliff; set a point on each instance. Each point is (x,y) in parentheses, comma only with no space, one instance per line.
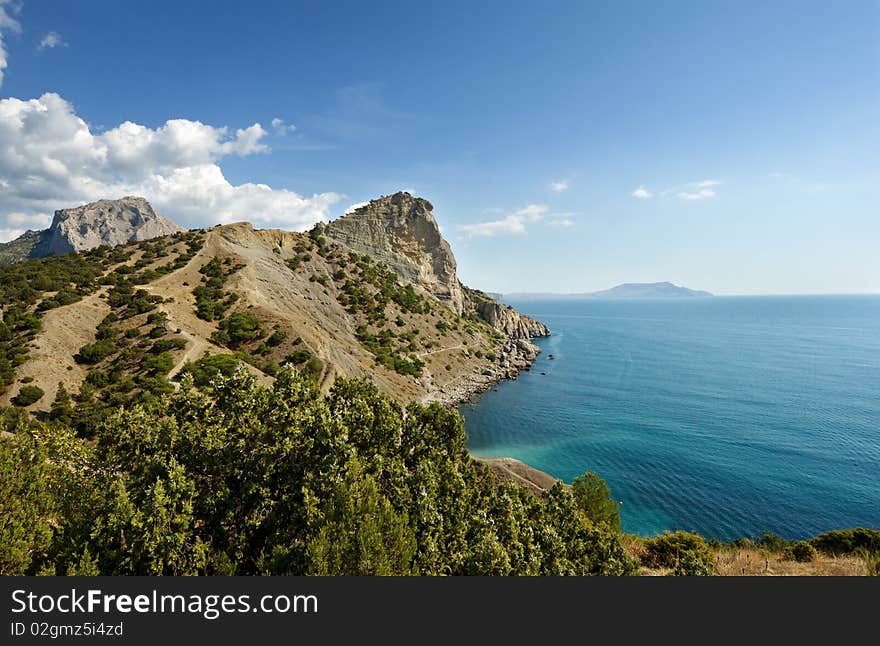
(503,317)
(400,230)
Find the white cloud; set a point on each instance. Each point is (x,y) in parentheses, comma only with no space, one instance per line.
(281,127)
(698,190)
(558,187)
(642,193)
(513,224)
(701,194)
(51,40)
(7,23)
(355,207)
(29,220)
(50,159)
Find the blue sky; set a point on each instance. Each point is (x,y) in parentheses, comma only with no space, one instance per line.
(566,146)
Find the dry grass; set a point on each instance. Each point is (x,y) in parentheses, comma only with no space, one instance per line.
(752,561)
(755,562)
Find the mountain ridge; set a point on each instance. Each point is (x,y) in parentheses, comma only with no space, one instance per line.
(664,289)
(266,297)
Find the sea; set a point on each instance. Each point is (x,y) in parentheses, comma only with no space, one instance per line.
(727,416)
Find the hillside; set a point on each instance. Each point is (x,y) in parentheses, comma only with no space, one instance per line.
(330,304)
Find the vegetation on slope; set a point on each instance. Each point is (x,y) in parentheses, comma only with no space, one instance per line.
(394,322)
(281,480)
(844,552)
(134,349)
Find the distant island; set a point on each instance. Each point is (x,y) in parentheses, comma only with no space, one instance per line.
(626,290)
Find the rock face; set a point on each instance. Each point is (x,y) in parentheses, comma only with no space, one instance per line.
(400,230)
(105,222)
(507,320)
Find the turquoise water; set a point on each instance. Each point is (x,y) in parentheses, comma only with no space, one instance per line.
(726,416)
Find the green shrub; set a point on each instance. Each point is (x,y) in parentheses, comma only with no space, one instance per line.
(847,541)
(95,352)
(164,345)
(159,364)
(239,328)
(801,551)
(594,498)
(276,338)
(769,541)
(686,553)
(28,395)
(207,368)
(156,332)
(298,356)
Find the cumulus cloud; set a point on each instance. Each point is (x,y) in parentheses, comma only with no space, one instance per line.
(7,23)
(513,224)
(642,193)
(50,159)
(51,40)
(558,187)
(281,127)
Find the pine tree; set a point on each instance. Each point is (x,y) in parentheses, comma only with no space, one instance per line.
(62,407)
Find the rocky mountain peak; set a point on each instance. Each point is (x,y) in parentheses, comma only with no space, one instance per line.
(400,230)
(105,222)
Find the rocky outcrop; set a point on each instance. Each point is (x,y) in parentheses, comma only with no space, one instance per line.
(105,222)
(507,320)
(400,231)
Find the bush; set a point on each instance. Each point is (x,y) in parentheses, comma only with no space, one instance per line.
(276,338)
(802,552)
(165,345)
(298,356)
(280,480)
(207,368)
(28,395)
(769,541)
(686,553)
(594,498)
(847,541)
(239,328)
(158,364)
(95,352)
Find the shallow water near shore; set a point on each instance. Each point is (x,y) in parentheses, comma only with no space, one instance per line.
(726,416)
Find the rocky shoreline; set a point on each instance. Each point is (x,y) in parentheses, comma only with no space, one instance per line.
(516,356)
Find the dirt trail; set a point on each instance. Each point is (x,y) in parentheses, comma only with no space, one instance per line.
(196,350)
(439,350)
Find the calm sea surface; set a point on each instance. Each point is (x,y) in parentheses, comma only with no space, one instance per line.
(726,416)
